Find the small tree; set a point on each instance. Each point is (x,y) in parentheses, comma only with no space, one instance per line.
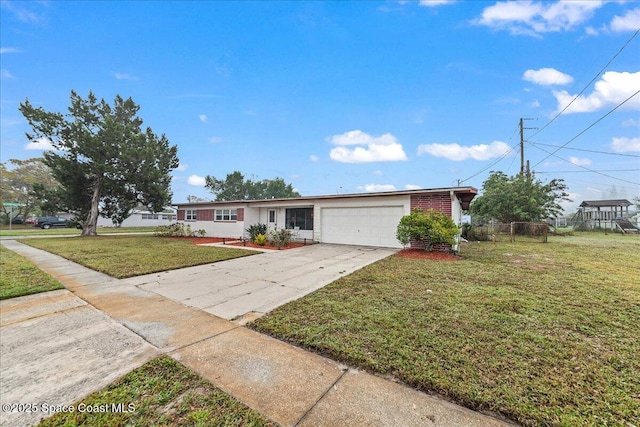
(428,228)
(519,198)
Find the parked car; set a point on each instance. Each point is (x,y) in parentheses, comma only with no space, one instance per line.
(31,220)
(50,221)
(17,220)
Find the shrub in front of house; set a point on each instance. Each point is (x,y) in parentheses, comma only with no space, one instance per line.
(280,238)
(428,229)
(261,239)
(256,229)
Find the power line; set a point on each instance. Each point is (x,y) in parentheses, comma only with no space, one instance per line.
(588,84)
(496,161)
(586,129)
(590,171)
(583,167)
(582,149)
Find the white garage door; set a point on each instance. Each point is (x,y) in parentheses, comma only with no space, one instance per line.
(370,226)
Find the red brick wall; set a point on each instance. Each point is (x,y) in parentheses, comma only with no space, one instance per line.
(437,201)
(240,214)
(180,214)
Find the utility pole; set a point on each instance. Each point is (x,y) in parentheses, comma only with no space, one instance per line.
(522,163)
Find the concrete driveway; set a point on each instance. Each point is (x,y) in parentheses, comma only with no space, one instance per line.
(251,286)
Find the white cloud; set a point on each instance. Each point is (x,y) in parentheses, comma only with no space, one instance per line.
(533,18)
(580,161)
(196,180)
(9,50)
(4,74)
(547,77)
(215,140)
(182,167)
(457,152)
(610,90)
(628,22)
(374,188)
(412,187)
(384,148)
(313,158)
(631,122)
(434,3)
(40,144)
(203,118)
(624,144)
(378,172)
(125,76)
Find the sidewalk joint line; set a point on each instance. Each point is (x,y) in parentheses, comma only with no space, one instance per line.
(344,372)
(203,339)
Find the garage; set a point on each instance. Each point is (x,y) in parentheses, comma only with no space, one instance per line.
(369,226)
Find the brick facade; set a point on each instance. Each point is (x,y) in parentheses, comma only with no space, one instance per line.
(438,201)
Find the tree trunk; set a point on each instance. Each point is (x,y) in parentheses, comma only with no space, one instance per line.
(91,224)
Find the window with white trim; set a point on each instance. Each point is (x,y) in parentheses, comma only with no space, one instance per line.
(190,215)
(226,214)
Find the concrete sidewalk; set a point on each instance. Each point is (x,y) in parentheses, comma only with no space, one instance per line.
(288,385)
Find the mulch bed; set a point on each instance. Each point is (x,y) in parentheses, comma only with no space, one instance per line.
(433,255)
(201,240)
(291,245)
(235,242)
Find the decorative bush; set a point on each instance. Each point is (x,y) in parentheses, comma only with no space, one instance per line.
(173,230)
(281,238)
(261,239)
(256,229)
(428,228)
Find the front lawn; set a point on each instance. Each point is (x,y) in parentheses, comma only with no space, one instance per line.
(161,393)
(128,256)
(21,277)
(544,334)
(21,230)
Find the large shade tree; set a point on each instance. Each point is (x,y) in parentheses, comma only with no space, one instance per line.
(519,198)
(103,159)
(236,187)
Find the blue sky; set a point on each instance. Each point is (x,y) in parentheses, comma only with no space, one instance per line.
(346,97)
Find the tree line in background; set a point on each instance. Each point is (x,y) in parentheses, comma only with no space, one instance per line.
(236,187)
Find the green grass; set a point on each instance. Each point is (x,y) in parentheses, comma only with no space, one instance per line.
(128,256)
(161,393)
(20,277)
(28,230)
(544,334)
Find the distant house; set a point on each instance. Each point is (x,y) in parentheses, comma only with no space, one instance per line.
(142,218)
(369,219)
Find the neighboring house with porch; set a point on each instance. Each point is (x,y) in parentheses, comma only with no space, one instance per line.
(369,219)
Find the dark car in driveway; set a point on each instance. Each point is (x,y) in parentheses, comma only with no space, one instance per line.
(50,221)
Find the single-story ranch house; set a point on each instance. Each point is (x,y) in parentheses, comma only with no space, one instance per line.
(369,219)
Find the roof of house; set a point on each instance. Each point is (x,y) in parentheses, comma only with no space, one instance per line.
(465,194)
(605,203)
